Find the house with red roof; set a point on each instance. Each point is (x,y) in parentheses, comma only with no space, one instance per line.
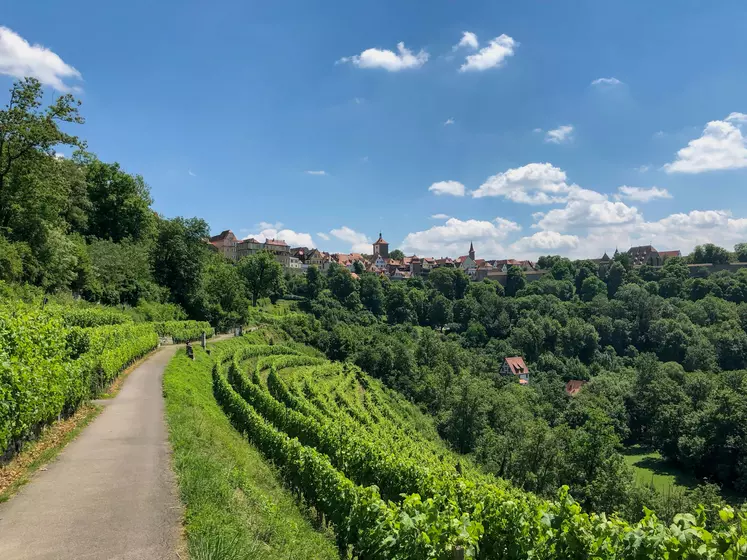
(574,386)
(515,366)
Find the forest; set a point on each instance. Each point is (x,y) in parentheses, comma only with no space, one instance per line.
(664,355)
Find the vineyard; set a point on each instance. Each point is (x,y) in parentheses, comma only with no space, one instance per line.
(54,357)
(369,464)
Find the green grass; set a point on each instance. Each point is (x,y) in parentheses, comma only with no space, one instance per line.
(650,468)
(236,508)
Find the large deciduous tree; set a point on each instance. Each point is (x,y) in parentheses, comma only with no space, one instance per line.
(262,274)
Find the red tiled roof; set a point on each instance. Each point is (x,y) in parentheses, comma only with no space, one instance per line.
(251,240)
(276,242)
(574,386)
(517,365)
(670,253)
(221,236)
(380,241)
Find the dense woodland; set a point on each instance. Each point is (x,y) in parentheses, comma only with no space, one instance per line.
(664,354)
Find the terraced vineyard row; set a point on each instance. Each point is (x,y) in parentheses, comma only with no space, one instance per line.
(350,448)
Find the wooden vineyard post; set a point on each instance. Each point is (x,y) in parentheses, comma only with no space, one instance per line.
(458,553)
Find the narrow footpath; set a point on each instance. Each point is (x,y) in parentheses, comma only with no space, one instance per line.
(111,493)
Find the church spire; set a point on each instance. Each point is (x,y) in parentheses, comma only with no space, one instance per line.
(471,251)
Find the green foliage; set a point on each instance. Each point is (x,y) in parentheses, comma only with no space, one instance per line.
(262,274)
(342,442)
(183,331)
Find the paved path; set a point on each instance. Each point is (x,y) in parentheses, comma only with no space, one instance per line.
(111,493)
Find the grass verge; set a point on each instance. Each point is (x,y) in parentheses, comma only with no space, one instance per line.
(236,508)
(37,454)
(650,468)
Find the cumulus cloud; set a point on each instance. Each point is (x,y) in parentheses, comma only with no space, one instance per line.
(275,231)
(453,188)
(453,238)
(323,236)
(20,59)
(359,242)
(641,194)
(544,242)
(587,209)
(440,217)
(721,146)
(468,40)
(390,61)
(560,135)
(448,121)
(320,172)
(535,183)
(606,82)
(491,56)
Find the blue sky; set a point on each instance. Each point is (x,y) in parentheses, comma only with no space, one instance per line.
(492,117)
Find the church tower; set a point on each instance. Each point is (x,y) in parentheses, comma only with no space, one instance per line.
(381,247)
(471,251)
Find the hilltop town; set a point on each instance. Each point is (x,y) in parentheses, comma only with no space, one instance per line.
(397,266)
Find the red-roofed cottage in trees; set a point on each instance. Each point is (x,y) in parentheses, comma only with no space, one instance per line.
(573,387)
(515,366)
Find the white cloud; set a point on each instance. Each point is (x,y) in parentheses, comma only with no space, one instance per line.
(453,188)
(659,134)
(643,168)
(543,242)
(320,172)
(535,183)
(560,135)
(491,56)
(388,60)
(440,217)
(453,238)
(537,130)
(606,82)
(58,155)
(641,194)
(358,100)
(448,121)
(274,231)
(322,235)
(721,146)
(191,173)
(737,117)
(587,209)
(20,59)
(359,242)
(468,40)
(269,225)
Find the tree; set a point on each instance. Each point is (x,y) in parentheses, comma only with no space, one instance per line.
(440,312)
(372,295)
(262,274)
(314,282)
(342,284)
(592,287)
(222,294)
(740,251)
(451,282)
(177,257)
(615,278)
(515,280)
(358,268)
(397,255)
(26,131)
(709,253)
(398,306)
(120,203)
